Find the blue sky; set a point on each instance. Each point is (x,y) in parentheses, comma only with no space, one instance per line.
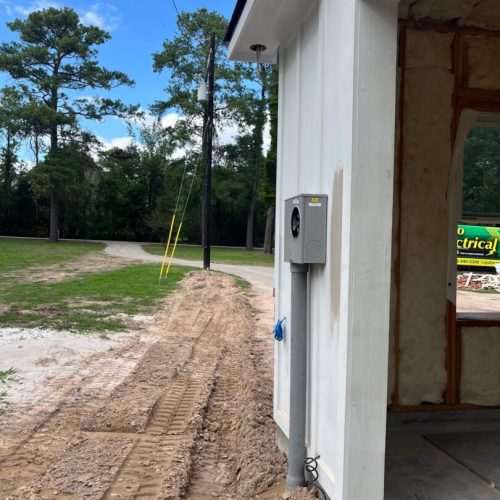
(138,28)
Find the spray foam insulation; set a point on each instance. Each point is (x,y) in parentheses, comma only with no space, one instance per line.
(427,161)
(480,381)
(404,9)
(473,13)
(424,217)
(485,14)
(483,55)
(441,10)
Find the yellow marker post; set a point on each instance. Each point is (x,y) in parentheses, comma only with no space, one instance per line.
(166,249)
(173,250)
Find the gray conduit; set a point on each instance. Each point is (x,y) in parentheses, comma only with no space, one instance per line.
(298,377)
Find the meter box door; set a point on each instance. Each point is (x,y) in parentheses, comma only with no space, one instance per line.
(305,229)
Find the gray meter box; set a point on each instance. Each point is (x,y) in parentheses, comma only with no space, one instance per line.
(305,229)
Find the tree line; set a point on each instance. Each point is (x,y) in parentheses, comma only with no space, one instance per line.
(57,180)
(481,180)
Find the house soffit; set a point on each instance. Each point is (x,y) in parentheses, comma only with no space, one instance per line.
(264,22)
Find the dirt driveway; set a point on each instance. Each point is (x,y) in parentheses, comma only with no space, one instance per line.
(261,277)
(179,407)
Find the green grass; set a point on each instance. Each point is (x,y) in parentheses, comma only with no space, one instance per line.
(4,376)
(242,283)
(18,254)
(88,303)
(219,255)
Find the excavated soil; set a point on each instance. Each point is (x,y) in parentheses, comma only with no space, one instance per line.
(181,408)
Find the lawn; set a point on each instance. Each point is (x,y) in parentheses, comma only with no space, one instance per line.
(18,254)
(219,255)
(96,302)
(5,375)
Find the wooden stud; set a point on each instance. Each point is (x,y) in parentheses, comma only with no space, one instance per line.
(398,199)
(450,27)
(438,407)
(474,323)
(480,100)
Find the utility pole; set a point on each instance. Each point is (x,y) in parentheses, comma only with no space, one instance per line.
(207,150)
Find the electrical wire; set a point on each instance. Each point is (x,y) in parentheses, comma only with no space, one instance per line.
(184,210)
(311,466)
(182,24)
(208,124)
(180,188)
(176,9)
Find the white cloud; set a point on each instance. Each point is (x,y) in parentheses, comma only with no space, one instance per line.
(170,120)
(267,135)
(102,15)
(27,9)
(227,133)
(117,142)
(148,119)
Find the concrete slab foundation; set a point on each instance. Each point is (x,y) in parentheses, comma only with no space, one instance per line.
(418,469)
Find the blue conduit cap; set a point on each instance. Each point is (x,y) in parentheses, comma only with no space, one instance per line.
(278,330)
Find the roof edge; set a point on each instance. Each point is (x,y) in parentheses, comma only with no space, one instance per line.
(240,5)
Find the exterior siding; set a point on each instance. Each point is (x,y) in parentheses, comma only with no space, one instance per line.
(320,151)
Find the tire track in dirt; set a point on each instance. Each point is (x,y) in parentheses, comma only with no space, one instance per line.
(50,426)
(36,432)
(235,454)
(171,428)
(191,415)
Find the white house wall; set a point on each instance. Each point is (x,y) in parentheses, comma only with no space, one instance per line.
(326,146)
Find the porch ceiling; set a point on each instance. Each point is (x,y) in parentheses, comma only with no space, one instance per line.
(264,22)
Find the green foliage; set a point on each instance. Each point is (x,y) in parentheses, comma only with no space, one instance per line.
(89,303)
(219,255)
(12,130)
(5,375)
(186,57)
(56,53)
(241,99)
(241,283)
(131,193)
(53,61)
(482,171)
(268,192)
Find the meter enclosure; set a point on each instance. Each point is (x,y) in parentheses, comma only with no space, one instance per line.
(305,229)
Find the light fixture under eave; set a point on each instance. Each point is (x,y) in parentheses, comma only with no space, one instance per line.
(258,48)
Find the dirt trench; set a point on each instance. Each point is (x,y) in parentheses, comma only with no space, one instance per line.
(182,409)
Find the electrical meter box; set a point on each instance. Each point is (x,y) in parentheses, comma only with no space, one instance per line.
(305,229)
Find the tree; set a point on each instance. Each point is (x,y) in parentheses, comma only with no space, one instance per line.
(241,99)
(12,130)
(258,122)
(482,171)
(53,62)
(269,181)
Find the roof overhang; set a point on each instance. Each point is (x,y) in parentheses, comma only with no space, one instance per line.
(265,22)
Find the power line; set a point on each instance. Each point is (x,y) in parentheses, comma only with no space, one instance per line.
(176,9)
(183,25)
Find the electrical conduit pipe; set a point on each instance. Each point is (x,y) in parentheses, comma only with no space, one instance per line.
(298,377)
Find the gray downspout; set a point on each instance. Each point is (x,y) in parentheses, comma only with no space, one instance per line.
(298,377)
